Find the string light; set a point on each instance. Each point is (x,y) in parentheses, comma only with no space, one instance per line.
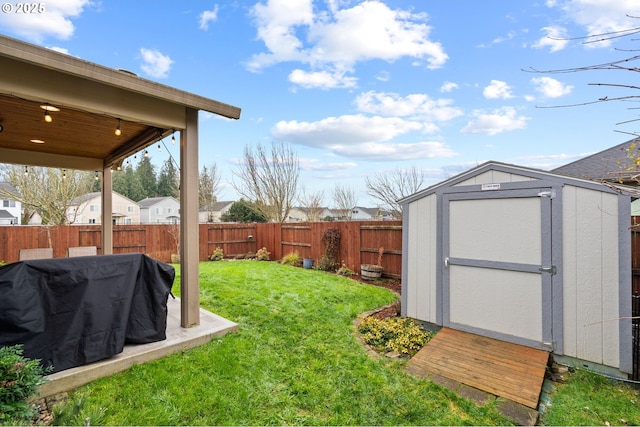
(96,177)
(64,174)
(159,148)
(26,170)
(118,130)
(46,107)
(173,137)
(146,153)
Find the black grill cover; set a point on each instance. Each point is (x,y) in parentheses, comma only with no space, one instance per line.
(68,312)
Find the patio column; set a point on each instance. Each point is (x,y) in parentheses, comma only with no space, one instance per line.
(189,235)
(107,208)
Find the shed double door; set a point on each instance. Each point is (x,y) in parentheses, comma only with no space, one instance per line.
(498,269)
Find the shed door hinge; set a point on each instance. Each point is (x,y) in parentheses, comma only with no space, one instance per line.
(550,194)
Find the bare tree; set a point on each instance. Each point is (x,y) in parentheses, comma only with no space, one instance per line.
(389,187)
(312,202)
(209,187)
(624,64)
(46,191)
(345,200)
(269,180)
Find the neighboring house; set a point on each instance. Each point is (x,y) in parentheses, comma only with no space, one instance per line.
(87,209)
(159,210)
(10,210)
(214,212)
(610,165)
(359,213)
(613,165)
(298,214)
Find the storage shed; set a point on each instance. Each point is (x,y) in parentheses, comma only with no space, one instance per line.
(524,256)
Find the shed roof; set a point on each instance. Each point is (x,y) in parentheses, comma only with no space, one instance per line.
(521,170)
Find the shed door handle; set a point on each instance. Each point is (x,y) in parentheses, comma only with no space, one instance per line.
(446,262)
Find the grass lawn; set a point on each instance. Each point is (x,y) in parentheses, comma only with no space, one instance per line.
(294,361)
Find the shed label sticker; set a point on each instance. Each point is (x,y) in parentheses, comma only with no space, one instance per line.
(489,187)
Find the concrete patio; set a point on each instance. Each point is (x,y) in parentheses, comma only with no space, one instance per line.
(178,339)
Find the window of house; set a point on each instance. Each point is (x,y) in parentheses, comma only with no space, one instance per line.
(127,221)
(129,208)
(9,203)
(168,210)
(93,208)
(92,220)
(158,211)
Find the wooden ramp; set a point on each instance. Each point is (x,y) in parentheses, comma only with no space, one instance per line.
(507,370)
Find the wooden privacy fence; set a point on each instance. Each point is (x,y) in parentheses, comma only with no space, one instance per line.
(359,242)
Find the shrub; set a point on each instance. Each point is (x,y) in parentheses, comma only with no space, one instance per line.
(326,264)
(345,271)
(292,258)
(263,254)
(20,377)
(399,334)
(217,255)
(250,255)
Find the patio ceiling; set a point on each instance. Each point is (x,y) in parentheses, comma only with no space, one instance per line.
(92,100)
(71,132)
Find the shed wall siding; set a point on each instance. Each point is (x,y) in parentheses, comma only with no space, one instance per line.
(422,256)
(492,176)
(590,275)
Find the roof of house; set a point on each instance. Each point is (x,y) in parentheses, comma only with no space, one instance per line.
(612,164)
(150,201)
(217,206)
(89,196)
(6,215)
(8,188)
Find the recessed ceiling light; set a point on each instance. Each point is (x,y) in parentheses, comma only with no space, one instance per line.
(48,107)
(37,141)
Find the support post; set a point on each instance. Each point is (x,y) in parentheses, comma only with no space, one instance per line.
(189,244)
(106,235)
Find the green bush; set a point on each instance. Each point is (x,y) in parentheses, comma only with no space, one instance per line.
(263,254)
(399,334)
(217,255)
(292,258)
(345,271)
(20,377)
(326,264)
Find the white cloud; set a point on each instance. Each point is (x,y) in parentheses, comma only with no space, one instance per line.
(56,22)
(497,90)
(555,39)
(362,137)
(394,152)
(154,63)
(313,164)
(417,106)
(601,16)
(495,122)
(208,16)
(292,32)
(322,79)
(551,88)
(448,87)
(59,49)
(343,130)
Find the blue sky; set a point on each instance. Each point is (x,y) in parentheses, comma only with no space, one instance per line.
(364,87)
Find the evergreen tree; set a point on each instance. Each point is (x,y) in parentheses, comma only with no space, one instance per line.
(243,211)
(146,174)
(168,180)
